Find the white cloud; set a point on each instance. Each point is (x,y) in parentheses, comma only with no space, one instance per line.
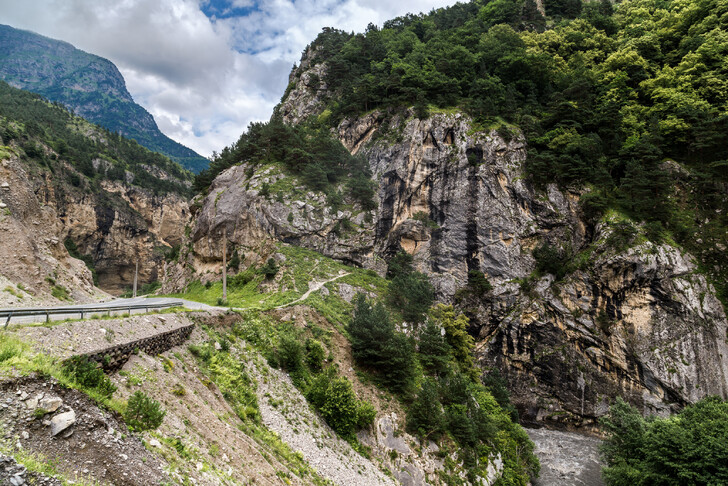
(204,81)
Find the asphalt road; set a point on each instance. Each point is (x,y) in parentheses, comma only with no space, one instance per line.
(75,310)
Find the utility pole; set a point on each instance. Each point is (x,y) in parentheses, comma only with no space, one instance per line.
(224,263)
(136,274)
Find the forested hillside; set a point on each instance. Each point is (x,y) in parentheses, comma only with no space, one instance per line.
(608,96)
(557,176)
(28,122)
(90,86)
(111,201)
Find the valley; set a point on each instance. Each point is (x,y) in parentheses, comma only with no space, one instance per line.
(479,246)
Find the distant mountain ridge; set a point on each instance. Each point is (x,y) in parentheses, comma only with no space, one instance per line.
(89,85)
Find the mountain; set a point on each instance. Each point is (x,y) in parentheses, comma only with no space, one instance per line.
(74,189)
(90,86)
(563,188)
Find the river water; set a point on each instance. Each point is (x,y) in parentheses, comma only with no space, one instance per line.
(567,459)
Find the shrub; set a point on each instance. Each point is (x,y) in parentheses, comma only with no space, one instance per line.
(241,279)
(235,260)
(10,348)
(143,412)
(88,375)
(550,260)
(270,269)
(315,354)
(203,352)
(60,292)
(336,401)
(478,283)
(290,353)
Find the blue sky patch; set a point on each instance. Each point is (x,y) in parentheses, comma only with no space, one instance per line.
(224,9)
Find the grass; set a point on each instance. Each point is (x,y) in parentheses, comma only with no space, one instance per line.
(13,292)
(227,371)
(300,268)
(60,292)
(18,358)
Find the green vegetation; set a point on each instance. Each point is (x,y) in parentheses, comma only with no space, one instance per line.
(60,292)
(38,463)
(376,344)
(307,152)
(17,356)
(226,368)
(300,268)
(450,400)
(689,448)
(409,291)
(432,373)
(436,378)
(88,85)
(335,399)
(94,154)
(88,375)
(143,412)
(607,97)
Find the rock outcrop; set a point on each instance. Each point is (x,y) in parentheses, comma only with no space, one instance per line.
(138,226)
(636,320)
(642,324)
(117,227)
(35,260)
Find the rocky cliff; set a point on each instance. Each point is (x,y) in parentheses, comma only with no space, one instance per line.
(71,189)
(625,317)
(36,265)
(115,228)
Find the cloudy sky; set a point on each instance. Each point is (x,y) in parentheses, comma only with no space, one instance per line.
(203,68)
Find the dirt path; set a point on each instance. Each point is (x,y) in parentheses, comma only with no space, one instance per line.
(313,287)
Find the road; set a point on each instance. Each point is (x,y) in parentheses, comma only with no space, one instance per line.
(75,310)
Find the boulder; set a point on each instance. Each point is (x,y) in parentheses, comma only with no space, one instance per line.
(62,421)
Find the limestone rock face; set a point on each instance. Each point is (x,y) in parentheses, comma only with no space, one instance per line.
(31,247)
(307,90)
(139,227)
(641,322)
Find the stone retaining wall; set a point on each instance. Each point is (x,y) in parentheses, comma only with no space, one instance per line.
(114,357)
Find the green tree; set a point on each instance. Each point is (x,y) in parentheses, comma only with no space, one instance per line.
(143,412)
(376,344)
(688,448)
(461,343)
(425,417)
(434,351)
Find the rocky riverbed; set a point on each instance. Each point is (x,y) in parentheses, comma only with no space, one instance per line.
(567,459)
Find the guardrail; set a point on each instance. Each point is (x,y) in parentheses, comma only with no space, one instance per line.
(47,312)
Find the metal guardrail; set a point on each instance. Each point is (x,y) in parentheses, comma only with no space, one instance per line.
(47,312)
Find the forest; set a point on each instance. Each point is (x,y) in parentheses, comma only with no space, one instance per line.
(625,103)
(33,124)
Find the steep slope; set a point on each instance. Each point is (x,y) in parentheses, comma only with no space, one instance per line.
(593,286)
(90,86)
(68,185)
(634,321)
